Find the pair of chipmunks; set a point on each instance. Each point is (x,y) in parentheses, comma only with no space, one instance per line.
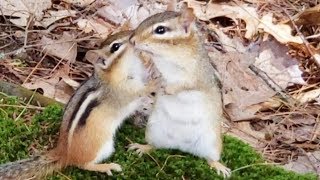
(186,116)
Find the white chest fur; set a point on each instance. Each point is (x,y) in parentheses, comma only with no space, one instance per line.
(183,121)
(172,72)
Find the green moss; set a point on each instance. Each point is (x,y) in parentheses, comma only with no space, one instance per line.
(16,138)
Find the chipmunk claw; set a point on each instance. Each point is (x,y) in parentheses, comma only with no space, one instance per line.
(104,168)
(140,149)
(220,168)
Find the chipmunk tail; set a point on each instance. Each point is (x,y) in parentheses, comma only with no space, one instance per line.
(34,167)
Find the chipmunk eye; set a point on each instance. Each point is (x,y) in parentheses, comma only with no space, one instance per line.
(161,30)
(115,47)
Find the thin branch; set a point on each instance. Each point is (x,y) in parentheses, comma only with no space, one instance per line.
(305,42)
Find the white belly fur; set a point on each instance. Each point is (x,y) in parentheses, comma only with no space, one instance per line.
(183,121)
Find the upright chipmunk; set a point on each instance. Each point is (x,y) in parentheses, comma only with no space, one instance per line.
(189,116)
(93,114)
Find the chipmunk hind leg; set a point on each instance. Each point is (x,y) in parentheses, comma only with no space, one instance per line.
(104,168)
(106,150)
(215,154)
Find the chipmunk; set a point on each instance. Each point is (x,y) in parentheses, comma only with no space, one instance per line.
(93,114)
(188,117)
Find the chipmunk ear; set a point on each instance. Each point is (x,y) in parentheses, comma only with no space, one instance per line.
(187,17)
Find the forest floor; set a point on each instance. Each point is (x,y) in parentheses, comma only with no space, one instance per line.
(267,54)
(26,132)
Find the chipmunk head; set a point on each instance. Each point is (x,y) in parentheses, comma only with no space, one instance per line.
(113,48)
(160,33)
(119,64)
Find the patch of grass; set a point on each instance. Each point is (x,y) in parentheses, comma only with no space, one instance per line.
(17,138)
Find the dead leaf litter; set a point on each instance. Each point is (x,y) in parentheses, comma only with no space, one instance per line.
(267,54)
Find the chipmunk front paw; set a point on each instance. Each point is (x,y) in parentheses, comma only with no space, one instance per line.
(140,149)
(220,168)
(104,168)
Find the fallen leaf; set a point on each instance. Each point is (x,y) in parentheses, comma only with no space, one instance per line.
(112,14)
(299,119)
(101,28)
(242,89)
(64,48)
(308,96)
(247,135)
(206,11)
(137,13)
(92,56)
(54,87)
(80,3)
(229,44)
(281,32)
(52,16)
(308,16)
(305,164)
(294,134)
(278,65)
(21,10)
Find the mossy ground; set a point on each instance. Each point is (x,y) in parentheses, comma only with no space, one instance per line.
(20,136)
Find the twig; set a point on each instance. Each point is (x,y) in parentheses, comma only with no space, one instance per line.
(273,85)
(60,173)
(27,30)
(18,106)
(25,108)
(36,45)
(251,165)
(165,162)
(61,59)
(35,68)
(316,131)
(305,42)
(313,36)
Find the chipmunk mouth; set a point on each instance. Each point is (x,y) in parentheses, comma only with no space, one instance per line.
(139,46)
(143,48)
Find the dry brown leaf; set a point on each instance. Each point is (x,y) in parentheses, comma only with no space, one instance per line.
(137,13)
(281,32)
(244,93)
(64,48)
(21,10)
(92,56)
(208,11)
(101,28)
(299,119)
(278,65)
(54,87)
(130,12)
(294,134)
(242,89)
(243,131)
(305,164)
(230,44)
(309,16)
(316,56)
(52,16)
(112,14)
(308,96)
(80,3)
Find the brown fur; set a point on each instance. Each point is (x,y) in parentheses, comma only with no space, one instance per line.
(182,46)
(88,139)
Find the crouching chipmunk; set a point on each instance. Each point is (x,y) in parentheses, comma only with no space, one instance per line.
(117,89)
